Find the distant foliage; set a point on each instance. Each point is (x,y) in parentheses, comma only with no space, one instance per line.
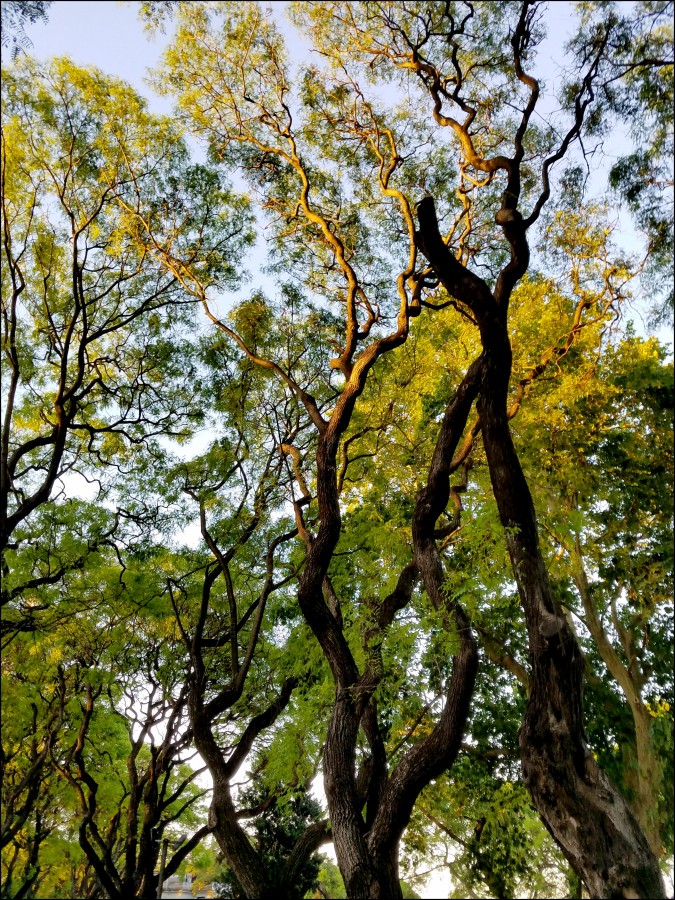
(15,15)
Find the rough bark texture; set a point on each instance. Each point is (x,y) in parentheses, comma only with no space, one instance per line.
(586,815)
(244,859)
(584,812)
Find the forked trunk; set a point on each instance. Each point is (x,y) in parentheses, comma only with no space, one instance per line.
(367,848)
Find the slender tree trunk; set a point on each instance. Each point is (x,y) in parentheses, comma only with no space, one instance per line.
(648,773)
(646,804)
(231,838)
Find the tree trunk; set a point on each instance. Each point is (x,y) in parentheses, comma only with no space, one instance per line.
(582,809)
(586,815)
(367,849)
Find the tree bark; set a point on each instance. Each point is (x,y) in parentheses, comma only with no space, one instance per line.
(585,813)
(367,851)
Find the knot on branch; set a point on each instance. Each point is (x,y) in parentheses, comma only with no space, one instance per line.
(550,625)
(508,217)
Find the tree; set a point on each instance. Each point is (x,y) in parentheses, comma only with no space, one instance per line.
(555,412)
(95,355)
(366,499)
(643,177)
(241,678)
(92,186)
(315,171)
(120,352)
(34,714)
(98,769)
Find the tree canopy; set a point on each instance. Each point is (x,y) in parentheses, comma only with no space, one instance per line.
(337,480)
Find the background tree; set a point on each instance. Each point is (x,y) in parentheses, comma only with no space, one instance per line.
(95,354)
(641,92)
(93,361)
(105,721)
(247,665)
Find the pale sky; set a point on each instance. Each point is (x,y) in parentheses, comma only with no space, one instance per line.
(108,34)
(104,33)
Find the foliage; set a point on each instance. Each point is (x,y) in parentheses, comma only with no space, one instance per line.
(276,830)
(298,530)
(15,15)
(95,191)
(643,177)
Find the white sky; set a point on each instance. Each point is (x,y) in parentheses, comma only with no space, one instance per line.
(109,35)
(104,33)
